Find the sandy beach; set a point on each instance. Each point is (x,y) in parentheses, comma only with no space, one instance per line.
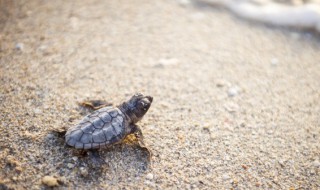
(236,104)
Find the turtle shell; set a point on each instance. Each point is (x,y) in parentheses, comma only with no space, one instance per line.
(100,128)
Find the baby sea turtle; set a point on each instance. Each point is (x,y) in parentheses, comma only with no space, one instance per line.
(110,125)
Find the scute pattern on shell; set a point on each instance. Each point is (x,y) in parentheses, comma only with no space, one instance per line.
(100,128)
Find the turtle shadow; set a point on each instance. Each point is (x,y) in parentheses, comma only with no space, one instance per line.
(124,156)
(113,154)
(88,106)
(127,154)
(119,161)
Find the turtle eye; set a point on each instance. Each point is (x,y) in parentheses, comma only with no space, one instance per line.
(141,105)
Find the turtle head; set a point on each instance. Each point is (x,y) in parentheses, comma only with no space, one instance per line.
(137,106)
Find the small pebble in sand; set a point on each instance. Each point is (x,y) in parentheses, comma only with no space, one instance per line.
(50,181)
(312,172)
(221,83)
(233,91)
(274,61)
(231,107)
(316,163)
(37,111)
(225,177)
(167,62)
(83,171)
(19,46)
(74,22)
(245,167)
(149,176)
(49,136)
(70,166)
(184,2)
(42,48)
(270,132)
(149,183)
(198,16)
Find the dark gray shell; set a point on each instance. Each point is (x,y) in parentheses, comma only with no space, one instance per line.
(100,128)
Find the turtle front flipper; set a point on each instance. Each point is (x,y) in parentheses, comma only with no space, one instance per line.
(138,134)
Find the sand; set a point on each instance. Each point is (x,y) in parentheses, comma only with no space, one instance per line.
(236,104)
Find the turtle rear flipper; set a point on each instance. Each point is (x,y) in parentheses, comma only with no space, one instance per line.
(94,104)
(59,131)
